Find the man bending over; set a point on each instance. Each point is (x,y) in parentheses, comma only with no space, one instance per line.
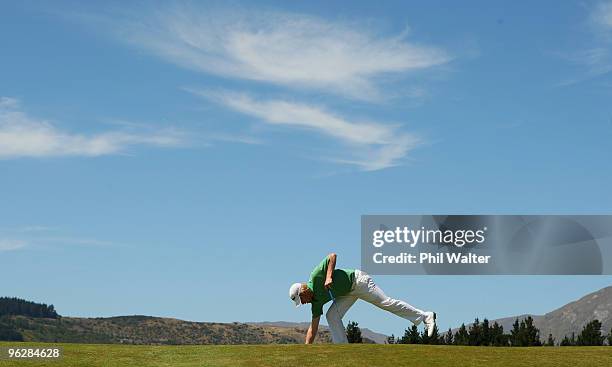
(345,286)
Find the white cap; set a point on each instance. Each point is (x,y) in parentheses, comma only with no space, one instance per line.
(294,293)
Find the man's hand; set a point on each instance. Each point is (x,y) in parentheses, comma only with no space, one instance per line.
(328,282)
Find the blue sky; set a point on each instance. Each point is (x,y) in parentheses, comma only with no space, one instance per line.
(192,160)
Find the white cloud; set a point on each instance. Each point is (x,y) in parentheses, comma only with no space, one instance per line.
(27,229)
(37,229)
(24,136)
(596,58)
(602,16)
(36,236)
(10,245)
(373,145)
(75,241)
(296,52)
(596,61)
(7,102)
(292,50)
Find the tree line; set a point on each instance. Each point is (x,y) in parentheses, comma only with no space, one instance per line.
(523,334)
(590,335)
(18,306)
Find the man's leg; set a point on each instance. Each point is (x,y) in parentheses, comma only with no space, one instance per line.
(334,316)
(367,290)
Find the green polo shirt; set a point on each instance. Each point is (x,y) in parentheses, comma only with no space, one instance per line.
(342,284)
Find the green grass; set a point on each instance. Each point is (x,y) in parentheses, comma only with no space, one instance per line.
(318,355)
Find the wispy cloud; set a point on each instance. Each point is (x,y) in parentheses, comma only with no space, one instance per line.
(597,59)
(11,245)
(291,50)
(22,135)
(595,62)
(295,52)
(18,242)
(372,145)
(75,241)
(37,236)
(28,229)
(602,16)
(235,138)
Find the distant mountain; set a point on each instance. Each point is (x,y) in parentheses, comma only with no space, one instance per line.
(30,321)
(571,317)
(150,330)
(157,330)
(368,335)
(18,323)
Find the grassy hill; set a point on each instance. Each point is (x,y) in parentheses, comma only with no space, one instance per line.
(354,355)
(152,330)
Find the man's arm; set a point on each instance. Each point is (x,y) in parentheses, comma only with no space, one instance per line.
(312,330)
(330,270)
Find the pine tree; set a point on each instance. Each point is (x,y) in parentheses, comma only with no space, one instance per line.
(498,338)
(461,336)
(391,339)
(486,333)
(404,339)
(591,334)
(413,336)
(610,338)
(353,333)
(475,333)
(525,334)
(531,336)
(424,338)
(565,342)
(433,339)
(551,341)
(515,333)
(448,339)
(568,342)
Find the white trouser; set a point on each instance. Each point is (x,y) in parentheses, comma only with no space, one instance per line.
(365,289)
